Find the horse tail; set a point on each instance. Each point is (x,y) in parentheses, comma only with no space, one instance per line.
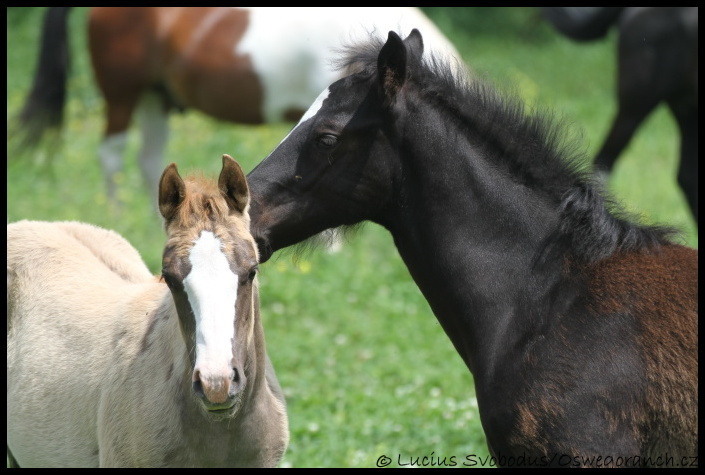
(582,23)
(44,106)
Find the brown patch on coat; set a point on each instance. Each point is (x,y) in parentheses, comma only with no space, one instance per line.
(660,289)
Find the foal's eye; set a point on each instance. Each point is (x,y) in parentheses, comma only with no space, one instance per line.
(328,140)
(253,273)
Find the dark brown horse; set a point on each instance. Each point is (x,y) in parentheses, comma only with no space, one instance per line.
(657,62)
(580,326)
(242,65)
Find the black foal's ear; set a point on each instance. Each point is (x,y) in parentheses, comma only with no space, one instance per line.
(233,185)
(391,66)
(171,192)
(414,44)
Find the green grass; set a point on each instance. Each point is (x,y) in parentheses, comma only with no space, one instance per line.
(365,366)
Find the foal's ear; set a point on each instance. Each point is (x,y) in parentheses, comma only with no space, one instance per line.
(391,65)
(414,44)
(233,184)
(393,60)
(171,192)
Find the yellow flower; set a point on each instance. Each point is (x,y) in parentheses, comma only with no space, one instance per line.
(304,267)
(281,266)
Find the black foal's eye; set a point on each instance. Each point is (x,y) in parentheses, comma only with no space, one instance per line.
(328,140)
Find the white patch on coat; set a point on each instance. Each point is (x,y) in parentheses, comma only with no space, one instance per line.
(292,48)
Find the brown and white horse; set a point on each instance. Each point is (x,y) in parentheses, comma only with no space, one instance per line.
(110,366)
(243,65)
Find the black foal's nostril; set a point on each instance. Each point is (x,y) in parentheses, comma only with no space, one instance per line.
(236,375)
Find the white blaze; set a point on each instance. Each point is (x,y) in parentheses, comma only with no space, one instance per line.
(315,107)
(212,291)
(309,113)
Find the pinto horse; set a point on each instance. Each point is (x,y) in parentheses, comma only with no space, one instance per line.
(142,371)
(579,326)
(657,61)
(242,65)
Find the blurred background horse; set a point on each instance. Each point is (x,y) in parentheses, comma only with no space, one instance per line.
(243,65)
(657,61)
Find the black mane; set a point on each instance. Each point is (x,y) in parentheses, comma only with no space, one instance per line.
(534,148)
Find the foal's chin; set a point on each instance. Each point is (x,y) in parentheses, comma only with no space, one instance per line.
(227,410)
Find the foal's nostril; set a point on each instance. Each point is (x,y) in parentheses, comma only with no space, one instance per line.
(198,389)
(236,376)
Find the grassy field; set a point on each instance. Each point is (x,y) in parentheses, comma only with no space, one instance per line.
(365,366)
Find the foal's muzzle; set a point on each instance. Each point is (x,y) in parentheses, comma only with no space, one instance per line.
(265,249)
(219,393)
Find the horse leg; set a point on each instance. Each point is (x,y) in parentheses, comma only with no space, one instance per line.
(635,103)
(122,54)
(153,121)
(111,151)
(625,124)
(639,90)
(686,114)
